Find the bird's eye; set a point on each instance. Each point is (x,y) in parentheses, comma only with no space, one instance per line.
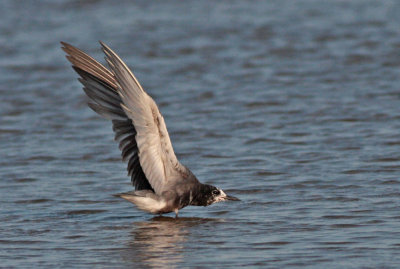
(215,192)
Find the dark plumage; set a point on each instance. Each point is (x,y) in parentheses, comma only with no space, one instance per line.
(162,184)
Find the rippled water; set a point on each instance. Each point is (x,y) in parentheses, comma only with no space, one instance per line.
(292,106)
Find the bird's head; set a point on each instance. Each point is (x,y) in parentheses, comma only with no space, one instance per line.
(213,195)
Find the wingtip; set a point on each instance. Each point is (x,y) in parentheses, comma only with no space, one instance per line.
(65,44)
(66,47)
(107,50)
(104,46)
(120,195)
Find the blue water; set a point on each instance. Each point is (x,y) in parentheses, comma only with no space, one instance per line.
(292,106)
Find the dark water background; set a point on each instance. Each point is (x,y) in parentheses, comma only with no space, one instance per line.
(293,106)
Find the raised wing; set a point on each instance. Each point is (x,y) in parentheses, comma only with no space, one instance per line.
(100,86)
(117,95)
(156,155)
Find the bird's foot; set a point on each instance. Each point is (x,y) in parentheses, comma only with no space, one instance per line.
(176,213)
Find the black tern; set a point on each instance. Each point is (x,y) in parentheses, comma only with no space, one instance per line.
(162,184)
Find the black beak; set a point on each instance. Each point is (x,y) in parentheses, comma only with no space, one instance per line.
(232,198)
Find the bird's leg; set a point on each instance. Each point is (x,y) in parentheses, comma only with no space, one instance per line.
(176,213)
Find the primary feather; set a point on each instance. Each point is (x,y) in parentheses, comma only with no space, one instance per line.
(137,122)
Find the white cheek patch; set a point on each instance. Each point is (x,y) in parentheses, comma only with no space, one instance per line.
(220,197)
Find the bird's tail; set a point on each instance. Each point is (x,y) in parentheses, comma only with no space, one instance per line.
(145,200)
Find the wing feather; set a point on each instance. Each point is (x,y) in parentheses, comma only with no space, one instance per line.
(100,86)
(156,154)
(137,122)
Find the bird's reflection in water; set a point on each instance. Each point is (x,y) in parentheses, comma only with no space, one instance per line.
(159,242)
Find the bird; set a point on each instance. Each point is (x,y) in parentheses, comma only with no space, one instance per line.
(162,184)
